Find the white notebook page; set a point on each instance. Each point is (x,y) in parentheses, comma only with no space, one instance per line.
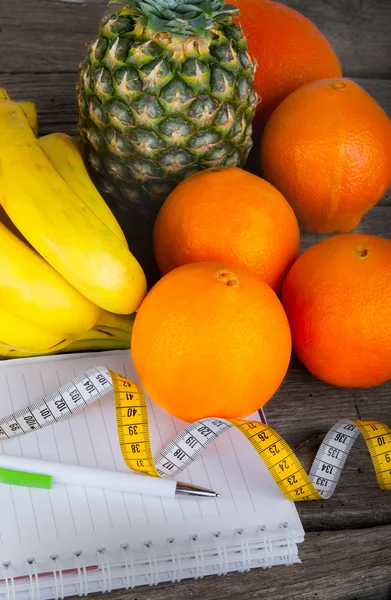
(38,523)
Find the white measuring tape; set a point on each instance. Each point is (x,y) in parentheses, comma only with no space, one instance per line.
(59,405)
(134,438)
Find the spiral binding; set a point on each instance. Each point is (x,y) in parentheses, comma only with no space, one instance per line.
(33,579)
(153,575)
(245,553)
(291,542)
(222,567)
(80,565)
(9,582)
(199,558)
(173,548)
(58,578)
(129,562)
(127,568)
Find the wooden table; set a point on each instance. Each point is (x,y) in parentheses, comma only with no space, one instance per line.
(347,552)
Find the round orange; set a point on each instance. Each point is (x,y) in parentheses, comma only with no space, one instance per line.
(289,49)
(337,297)
(327,148)
(211,340)
(229,215)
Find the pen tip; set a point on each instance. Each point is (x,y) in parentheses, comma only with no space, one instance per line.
(218,495)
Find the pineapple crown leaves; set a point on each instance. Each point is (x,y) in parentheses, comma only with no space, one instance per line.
(181,17)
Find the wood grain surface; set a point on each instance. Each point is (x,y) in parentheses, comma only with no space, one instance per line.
(347,552)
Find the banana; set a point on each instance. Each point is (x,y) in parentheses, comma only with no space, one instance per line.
(59,225)
(108,334)
(65,156)
(112,321)
(14,126)
(95,345)
(100,337)
(31,288)
(83,345)
(7,351)
(17,332)
(4,218)
(92,340)
(11,352)
(30,110)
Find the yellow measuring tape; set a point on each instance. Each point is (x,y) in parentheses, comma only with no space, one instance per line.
(282,463)
(134,438)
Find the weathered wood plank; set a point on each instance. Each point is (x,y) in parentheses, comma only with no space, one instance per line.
(49,35)
(342,565)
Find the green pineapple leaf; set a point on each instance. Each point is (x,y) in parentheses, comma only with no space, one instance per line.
(199,24)
(182,17)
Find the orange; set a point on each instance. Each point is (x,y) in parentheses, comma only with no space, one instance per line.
(229,215)
(337,297)
(211,340)
(327,148)
(289,49)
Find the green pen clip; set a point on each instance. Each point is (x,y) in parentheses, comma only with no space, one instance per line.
(31,480)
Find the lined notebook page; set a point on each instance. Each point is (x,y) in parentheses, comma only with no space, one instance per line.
(67,519)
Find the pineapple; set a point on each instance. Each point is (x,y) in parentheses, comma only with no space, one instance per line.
(167,89)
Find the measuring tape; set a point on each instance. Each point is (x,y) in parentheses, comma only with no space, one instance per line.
(134,438)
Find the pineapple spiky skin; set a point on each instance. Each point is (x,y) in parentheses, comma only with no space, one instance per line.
(156,106)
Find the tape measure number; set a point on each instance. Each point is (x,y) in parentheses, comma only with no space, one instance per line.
(134,437)
(59,405)
(282,463)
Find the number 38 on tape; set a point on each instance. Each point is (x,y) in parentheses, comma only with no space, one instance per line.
(134,438)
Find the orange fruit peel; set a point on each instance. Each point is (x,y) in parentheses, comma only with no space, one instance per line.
(211,339)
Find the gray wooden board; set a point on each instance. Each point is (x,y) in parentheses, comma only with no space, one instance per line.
(45,36)
(347,552)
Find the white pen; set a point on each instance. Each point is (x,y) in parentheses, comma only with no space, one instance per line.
(32,472)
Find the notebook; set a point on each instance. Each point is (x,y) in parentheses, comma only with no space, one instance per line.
(72,540)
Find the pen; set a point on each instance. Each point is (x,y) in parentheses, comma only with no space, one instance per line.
(31,472)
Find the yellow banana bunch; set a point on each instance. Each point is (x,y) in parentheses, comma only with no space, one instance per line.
(6,221)
(68,281)
(19,333)
(101,337)
(63,153)
(30,288)
(110,321)
(7,352)
(59,224)
(29,109)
